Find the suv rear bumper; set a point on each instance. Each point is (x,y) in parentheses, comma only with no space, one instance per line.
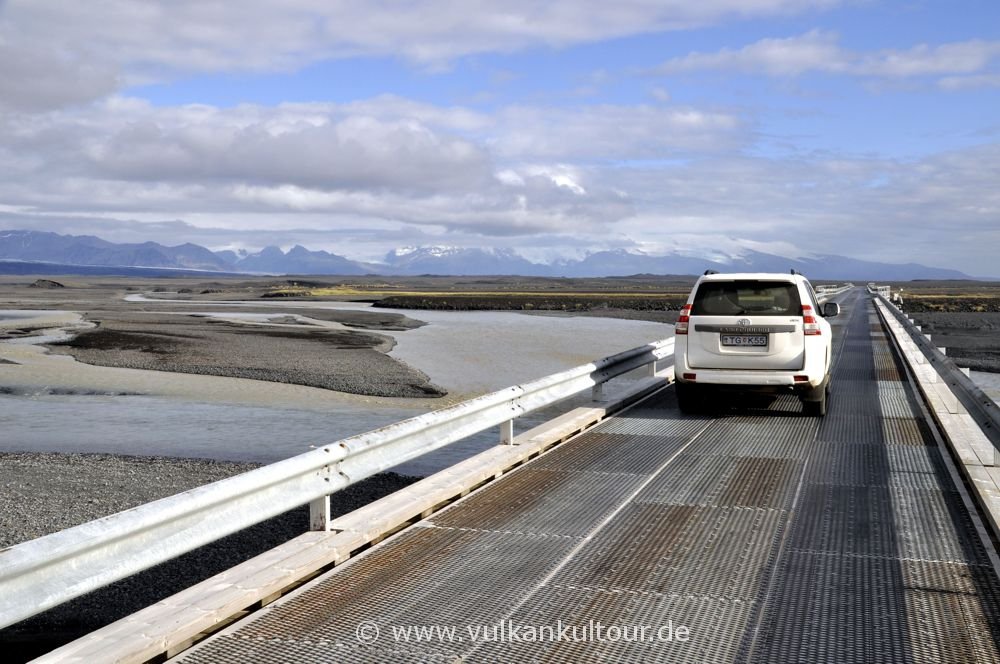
(748,379)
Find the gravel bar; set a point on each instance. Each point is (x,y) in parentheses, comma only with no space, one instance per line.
(352,361)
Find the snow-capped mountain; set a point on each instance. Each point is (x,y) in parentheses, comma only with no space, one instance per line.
(70,250)
(458,261)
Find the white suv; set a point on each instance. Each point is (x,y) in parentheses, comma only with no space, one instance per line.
(761,332)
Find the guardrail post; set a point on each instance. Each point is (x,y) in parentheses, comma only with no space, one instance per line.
(651,369)
(597,393)
(319,514)
(507,432)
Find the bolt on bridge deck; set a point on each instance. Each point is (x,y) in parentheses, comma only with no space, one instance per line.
(761,536)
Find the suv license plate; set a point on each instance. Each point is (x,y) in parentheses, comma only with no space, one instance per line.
(744,340)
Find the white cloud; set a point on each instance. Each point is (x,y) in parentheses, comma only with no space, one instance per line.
(75,51)
(32,78)
(815,50)
(387,170)
(659,93)
(309,171)
(820,51)
(938,210)
(321,146)
(952,83)
(613,132)
(384,159)
(922,60)
(364,157)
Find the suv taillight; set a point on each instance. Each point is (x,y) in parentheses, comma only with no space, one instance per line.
(810,326)
(682,322)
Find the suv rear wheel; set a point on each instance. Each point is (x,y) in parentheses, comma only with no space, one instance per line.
(689,398)
(816,407)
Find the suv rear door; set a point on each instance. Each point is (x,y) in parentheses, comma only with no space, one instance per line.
(746,324)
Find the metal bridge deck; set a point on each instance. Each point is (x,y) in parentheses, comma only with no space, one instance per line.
(771,536)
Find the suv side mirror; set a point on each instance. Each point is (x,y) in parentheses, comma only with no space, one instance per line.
(831,309)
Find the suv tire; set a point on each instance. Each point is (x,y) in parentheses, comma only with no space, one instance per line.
(689,398)
(817,407)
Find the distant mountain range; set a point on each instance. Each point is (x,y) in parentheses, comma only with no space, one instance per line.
(89,250)
(69,251)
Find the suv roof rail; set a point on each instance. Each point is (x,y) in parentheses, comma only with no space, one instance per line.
(711,271)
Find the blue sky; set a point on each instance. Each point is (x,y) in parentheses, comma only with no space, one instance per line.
(856,127)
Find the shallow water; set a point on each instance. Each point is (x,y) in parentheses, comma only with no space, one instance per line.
(475,352)
(468,353)
(133,424)
(54,337)
(988,383)
(142,425)
(16,314)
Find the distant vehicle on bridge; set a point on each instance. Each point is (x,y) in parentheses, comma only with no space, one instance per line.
(759,331)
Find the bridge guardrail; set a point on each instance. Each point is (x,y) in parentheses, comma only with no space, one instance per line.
(824,294)
(976,402)
(968,420)
(45,572)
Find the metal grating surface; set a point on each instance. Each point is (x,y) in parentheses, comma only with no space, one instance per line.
(824,605)
(612,453)
(852,520)
(854,399)
(662,424)
(449,590)
(885,361)
(681,550)
(691,479)
(857,609)
(723,481)
(906,431)
(878,465)
(952,612)
(867,388)
(918,467)
(625,553)
(856,465)
(715,626)
(889,374)
(226,649)
(855,371)
(851,429)
(772,437)
(761,482)
(781,403)
(550,502)
(895,400)
(933,525)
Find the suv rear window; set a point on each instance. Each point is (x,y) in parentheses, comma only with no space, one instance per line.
(735,298)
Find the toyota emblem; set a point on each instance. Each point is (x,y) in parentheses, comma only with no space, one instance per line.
(743,321)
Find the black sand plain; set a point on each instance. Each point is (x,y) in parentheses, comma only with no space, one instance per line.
(961,316)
